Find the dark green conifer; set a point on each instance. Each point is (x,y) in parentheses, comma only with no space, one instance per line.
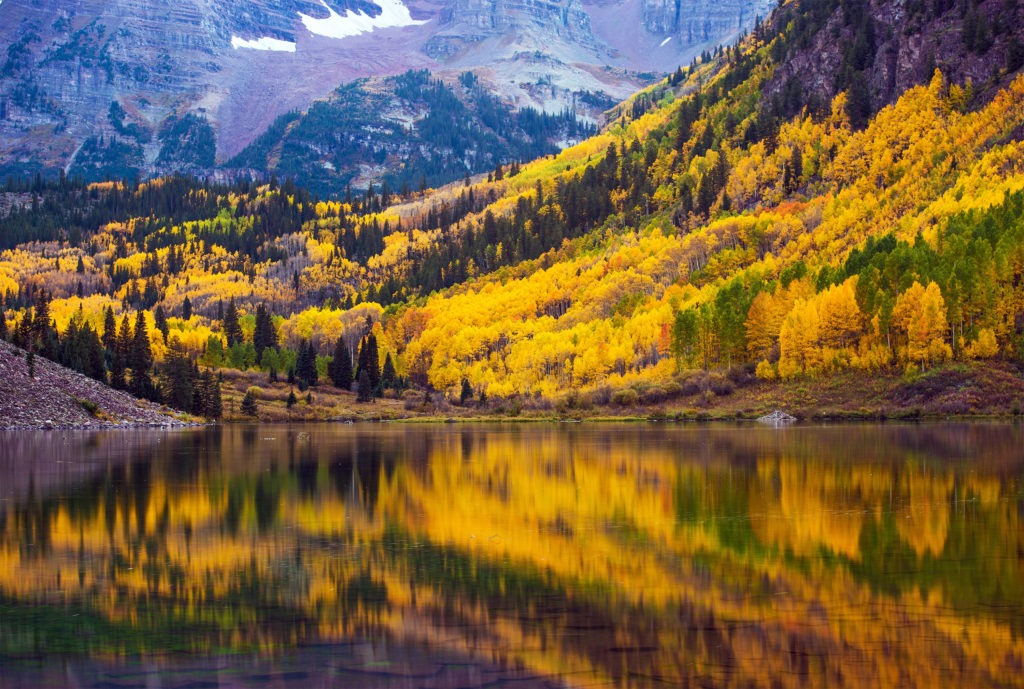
(341,367)
(229,324)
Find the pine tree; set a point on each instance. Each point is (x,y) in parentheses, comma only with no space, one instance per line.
(109,330)
(466,393)
(291,399)
(93,357)
(124,338)
(341,367)
(160,321)
(365,387)
(178,382)
(186,308)
(30,361)
(388,377)
(3,325)
(305,366)
(249,406)
(264,335)
(229,325)
(369,359)
(140,359)
(41,319)
(215,407)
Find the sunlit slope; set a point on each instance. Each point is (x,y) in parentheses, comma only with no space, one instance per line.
(598,310)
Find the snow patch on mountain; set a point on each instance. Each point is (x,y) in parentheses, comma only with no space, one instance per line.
(264,43)
(665,42)
(393,14)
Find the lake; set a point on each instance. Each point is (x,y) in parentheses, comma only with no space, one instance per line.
(451,556)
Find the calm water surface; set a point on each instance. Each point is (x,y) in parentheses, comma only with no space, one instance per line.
(513,556)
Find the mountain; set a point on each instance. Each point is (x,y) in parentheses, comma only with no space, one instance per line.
(95,86)
(733,236)
(408,131)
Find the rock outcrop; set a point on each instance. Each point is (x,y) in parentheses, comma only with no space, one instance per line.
(58,397)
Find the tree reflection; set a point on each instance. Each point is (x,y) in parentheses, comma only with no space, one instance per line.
(640,556)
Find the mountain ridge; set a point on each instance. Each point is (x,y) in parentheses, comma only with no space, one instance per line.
(239,64)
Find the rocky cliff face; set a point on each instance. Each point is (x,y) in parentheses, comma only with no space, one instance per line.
(875,50)
(696,22)
(101,87)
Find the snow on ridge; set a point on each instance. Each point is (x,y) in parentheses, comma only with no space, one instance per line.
(393,14)
(665,41)
(264,43)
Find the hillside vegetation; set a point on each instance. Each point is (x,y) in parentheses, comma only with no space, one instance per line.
(727,222)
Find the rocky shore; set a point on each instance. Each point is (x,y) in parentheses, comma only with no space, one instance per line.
(58,397)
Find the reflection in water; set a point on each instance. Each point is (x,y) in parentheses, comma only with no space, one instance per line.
(524,556)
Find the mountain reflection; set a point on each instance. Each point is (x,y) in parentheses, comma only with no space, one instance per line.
(637,556)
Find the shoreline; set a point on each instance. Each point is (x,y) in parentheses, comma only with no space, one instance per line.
(636,418)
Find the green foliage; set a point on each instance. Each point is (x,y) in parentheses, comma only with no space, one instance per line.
(249,406)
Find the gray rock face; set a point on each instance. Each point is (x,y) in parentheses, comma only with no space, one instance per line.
(697,22)
(238,64)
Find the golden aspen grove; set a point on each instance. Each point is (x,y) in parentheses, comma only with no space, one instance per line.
(713,242)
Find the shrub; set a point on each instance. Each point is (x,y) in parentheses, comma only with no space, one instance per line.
(654,395)
(255,391)
(626,397)
(88,405)
(720,385)
(567,401)
(672,389)
(741,376)
(765,371)
(693,383)
(600,396)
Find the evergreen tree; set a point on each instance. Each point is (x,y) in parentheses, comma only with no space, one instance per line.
(109,330)
(291,399)
(3,325)
(369,359)
(365,387)
(249,406)
(140,359)
(466,393)
(215,406)
(186,308)
(178,382)
(264,335)
(160,321)
(41,320)
(30,361)
(305,365)
(229,325)
(388,377)
(93,356)
(341,367)
(124,338)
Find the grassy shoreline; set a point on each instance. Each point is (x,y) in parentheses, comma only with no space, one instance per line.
(958,391)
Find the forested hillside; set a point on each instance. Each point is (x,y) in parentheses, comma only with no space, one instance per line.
(407,131)
(728,223)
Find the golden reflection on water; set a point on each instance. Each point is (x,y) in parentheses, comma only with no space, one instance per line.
(639,556)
